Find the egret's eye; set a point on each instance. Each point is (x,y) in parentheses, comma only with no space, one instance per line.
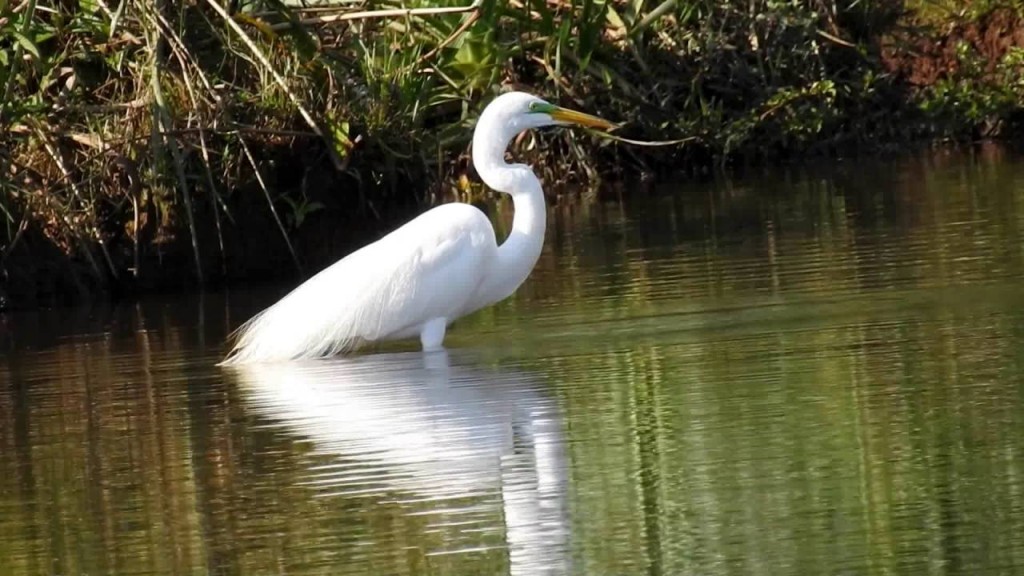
(540,108)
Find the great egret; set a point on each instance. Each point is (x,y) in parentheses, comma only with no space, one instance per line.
(417,280)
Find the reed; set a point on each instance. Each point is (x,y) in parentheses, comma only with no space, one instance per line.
(152,141)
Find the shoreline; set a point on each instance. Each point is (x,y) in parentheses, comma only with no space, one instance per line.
(196,173)
(327,243)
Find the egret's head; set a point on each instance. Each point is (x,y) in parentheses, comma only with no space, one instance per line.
(515,112)
(503,119)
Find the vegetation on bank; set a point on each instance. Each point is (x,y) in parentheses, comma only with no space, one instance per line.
(149,142)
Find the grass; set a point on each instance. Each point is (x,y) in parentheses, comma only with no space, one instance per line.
(149,142)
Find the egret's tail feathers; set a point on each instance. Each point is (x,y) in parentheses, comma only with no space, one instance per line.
(282,333)
(368,296)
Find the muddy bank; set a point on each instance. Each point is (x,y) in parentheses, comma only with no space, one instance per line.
(967,78)
(926,56)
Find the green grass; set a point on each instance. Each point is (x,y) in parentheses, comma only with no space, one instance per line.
(143,140)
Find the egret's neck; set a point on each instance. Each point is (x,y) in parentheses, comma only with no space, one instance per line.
(520,251)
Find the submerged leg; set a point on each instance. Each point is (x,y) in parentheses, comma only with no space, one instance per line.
(432,334)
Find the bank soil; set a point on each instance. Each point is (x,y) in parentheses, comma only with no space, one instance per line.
(923,59)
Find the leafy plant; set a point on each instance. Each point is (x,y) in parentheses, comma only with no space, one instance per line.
(971,97)
(140,135)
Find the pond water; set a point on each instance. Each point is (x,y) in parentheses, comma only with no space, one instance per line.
(788,372)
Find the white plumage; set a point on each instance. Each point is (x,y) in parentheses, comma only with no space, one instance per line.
(433,265)
(415,281)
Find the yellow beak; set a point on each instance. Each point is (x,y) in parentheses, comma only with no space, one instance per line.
(567,116)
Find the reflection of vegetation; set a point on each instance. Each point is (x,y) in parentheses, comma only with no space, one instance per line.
(753,382)
(832,447)
(87,489)
(758,380)
(151,466)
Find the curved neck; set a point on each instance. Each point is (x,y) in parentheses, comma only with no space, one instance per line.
(520,251)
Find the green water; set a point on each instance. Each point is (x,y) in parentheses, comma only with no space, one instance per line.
(816,371)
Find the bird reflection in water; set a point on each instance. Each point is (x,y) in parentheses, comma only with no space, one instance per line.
(431,430)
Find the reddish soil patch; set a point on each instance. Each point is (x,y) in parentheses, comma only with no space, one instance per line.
(921,60)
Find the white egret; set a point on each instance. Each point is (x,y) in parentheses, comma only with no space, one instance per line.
(442,265)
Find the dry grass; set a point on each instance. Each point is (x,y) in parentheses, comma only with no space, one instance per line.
(141,137)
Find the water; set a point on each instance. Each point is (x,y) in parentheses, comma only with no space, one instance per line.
(816,371)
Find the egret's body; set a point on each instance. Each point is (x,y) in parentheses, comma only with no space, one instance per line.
(417,280)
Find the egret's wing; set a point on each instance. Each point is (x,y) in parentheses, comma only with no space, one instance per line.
(429,268)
